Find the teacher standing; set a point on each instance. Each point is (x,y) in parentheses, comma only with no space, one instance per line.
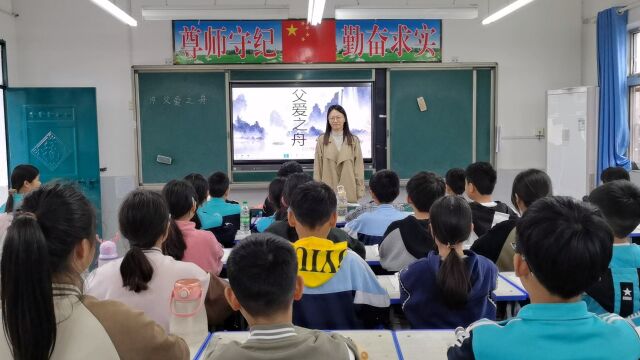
(338,159)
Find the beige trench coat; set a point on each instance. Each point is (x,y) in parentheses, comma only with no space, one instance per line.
(344,167)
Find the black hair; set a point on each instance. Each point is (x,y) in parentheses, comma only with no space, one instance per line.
(455,179)
(290,185)
(530,185)
(200,185)
(619,202)
(483,176)
(19,175)
(37,248)
(614,173)
(450,221)
(424,188)
(567,244)
(348,136)
(288,168)
(180,197)
(313,204)
(276,187)
(385,185)
(218,184)
(143,219)
(262,271)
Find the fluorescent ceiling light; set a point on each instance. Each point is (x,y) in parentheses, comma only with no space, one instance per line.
(505,11)
(192,13)
(112,9)
(354,13)
(315,11)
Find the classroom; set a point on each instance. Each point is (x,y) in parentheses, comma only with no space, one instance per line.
(344,179)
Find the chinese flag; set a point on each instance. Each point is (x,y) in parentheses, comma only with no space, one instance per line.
(303,43)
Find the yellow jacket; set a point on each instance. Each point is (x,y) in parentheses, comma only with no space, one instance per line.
(344,167)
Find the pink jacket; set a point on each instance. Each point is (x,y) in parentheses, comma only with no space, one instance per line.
(203,249)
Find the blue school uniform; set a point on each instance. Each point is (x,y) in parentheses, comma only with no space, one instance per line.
(340,289)
(208,220)
(17,202)
(549,331)
(264,222)
(371,226)
(421,299)
(229,211)
(618,291)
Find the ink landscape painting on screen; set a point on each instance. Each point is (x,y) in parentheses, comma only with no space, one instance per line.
(280,122)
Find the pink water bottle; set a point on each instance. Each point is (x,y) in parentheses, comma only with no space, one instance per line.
(188,315)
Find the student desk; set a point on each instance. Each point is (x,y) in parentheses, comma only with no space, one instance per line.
(506,290)
(196,351)
(379,344)
(424,344)
(372,255)
(635,233)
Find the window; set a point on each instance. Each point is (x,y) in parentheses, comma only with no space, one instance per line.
(634,46)
(634,95)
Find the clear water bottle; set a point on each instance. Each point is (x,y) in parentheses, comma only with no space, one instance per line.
(244,219)
(342,201)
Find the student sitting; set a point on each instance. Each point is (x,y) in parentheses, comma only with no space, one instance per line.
(370,227)
(410,239)
(618,291)
(455,181)
(275,198)
(282,228)
(614,173)
(218,204)
(562,248)
(340,290)
(24,178)
(264,283)
(496,245)
(201,187)
(144,278)
(185,242)
(44,313)
(288,168)
(450,287)
(480,179)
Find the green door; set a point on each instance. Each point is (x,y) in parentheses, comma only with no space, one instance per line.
(55,129)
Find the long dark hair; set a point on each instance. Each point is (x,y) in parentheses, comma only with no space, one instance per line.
(143,219)
(201,186)
(348,136)
(450,218)
(179,196)
(54,219)
(530,185)
(19,175)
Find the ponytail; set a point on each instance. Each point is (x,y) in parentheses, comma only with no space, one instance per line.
(453,281)
(174,246)
(136,270)
(8,207)
(27,299)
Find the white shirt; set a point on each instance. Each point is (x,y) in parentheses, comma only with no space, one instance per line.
(338,139)
(105,283)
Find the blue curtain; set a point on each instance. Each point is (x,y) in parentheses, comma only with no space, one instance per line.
(613,125)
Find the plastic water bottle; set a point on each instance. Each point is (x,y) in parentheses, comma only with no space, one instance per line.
(188,315)
(244,219)
(342,201)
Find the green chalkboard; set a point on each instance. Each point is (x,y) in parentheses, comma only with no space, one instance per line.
(183,117)
(439,138)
